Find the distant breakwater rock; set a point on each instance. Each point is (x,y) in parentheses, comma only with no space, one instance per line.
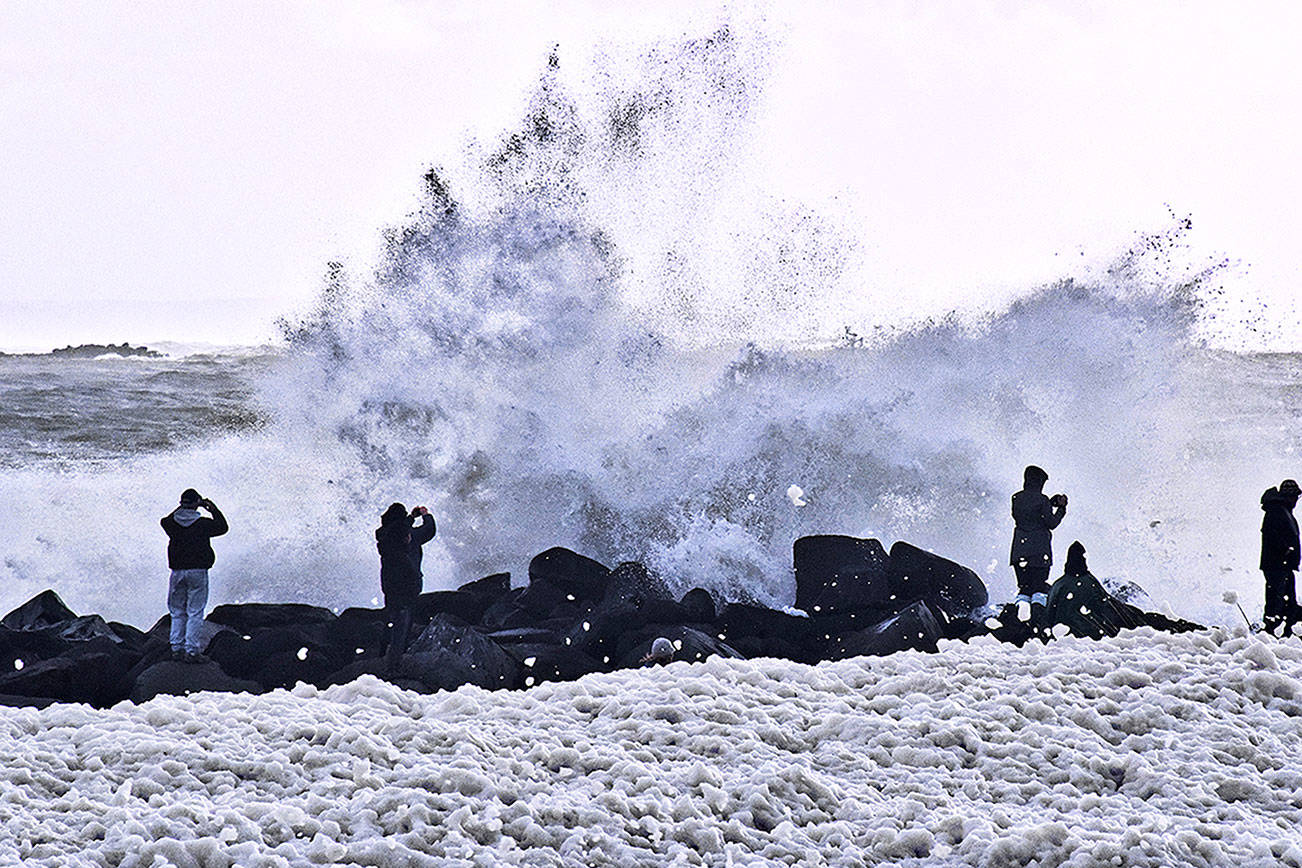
(95,351)
(574,617)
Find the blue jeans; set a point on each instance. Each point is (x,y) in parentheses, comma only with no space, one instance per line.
(187,594)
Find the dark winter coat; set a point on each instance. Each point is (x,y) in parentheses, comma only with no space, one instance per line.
(188,535)
(399,545)
(1034,518)
(1279,534)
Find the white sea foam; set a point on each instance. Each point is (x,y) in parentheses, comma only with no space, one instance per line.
(1146,750)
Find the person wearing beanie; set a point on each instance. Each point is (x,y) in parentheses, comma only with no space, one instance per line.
(190,556)
(1279,556)
(1035,516)
(399,540)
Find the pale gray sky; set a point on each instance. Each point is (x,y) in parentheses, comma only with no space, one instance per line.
(184,171)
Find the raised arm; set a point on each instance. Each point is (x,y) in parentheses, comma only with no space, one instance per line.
(219,521)
(1053,515)
(423,532)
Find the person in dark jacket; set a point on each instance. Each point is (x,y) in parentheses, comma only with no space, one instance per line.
(1279,556)
(399,542)
(190,556)
(1034,516)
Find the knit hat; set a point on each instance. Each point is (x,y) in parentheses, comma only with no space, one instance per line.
(190,498)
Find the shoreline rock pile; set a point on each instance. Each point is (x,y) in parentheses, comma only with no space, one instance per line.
(575,616)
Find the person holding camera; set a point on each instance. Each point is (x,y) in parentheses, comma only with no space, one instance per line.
(399,540)
(1034,516)
(190,556)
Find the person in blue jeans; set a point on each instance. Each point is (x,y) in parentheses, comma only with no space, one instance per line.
(190,556)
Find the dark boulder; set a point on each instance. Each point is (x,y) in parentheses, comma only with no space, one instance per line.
(8,701)
(132,638)
(181,679)
(657,611)
(548,662)
(841,574)
(83,629)
(91,673)
(467,606)
(508,612)
(950,589)
(914,628)
(632,584)
(42,611)
(542,598)
(56,640)
(307,664)
(738,620)
(29,646)
(822,628)
(526,636)
(571,572)
(448,654)
(357,628)
(493,587)
(756,631)
(698,607)
(596,632)
(246,617)
(244,655)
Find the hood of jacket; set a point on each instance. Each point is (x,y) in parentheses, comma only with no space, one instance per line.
(186,516)
(1273,498)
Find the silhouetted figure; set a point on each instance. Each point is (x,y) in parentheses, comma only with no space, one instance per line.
(1075,565)
(399,542)
(1035,516)
(190,556)
(1279,556)
(1078,601)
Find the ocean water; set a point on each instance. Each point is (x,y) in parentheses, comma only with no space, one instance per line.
(596,331)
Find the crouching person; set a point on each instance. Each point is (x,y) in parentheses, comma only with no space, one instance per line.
(190,556)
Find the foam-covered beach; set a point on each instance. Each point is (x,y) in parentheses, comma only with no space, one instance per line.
(1147,749)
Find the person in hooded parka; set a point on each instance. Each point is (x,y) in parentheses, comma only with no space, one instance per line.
(1279,556)
(1078,600)
(190,556)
